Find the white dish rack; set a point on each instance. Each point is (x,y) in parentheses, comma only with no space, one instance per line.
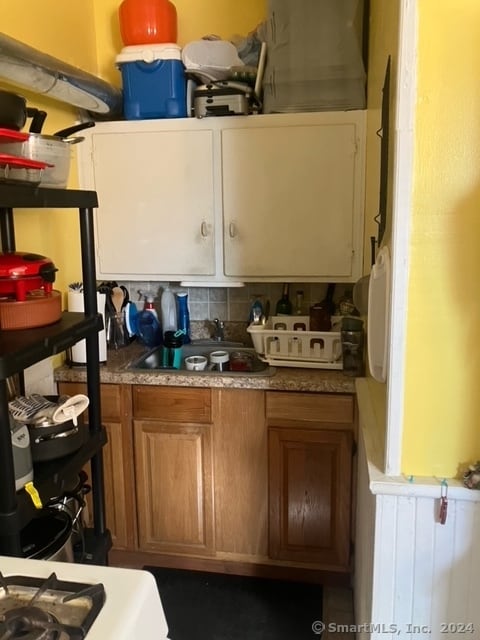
(286,341)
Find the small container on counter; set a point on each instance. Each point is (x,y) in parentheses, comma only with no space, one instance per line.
(241,361)
(196,363)
(220,360)
(320,318)
(352,338)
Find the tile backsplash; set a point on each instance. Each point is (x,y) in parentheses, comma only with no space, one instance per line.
(233,304)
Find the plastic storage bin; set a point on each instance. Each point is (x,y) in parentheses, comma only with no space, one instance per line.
(286,341)
(154,83)
(315,56)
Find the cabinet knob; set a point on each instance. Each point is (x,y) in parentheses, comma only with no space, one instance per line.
(204,229)
(232,230)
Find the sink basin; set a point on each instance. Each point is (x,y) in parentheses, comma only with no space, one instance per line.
(153,360)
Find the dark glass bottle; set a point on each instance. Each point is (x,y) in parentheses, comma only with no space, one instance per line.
(284,305)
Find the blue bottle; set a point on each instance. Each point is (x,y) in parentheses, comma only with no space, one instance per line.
(148,326)
(183,316)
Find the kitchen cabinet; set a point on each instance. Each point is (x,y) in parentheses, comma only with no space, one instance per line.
(22,348)
(310,475)
(242,480)
(157,182)
(243,198)
(173,469)
(119,481)
(292,198)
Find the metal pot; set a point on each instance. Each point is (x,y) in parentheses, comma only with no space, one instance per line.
(54,149)
(72,501)
(48,536)
(50,440)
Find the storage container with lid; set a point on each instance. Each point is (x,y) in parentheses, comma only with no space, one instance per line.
(154,82)
(147,22)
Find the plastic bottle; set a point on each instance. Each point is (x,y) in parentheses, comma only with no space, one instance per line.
(147,22)
(148,325)
(169,310)
(284,305)
(172,350)
(183,316)
(299,303)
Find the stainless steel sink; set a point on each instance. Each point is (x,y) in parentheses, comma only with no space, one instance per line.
(153,360)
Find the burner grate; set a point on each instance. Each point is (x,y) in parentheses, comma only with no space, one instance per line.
(47,609)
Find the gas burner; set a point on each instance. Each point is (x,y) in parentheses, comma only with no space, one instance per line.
(47,609)
(30,623)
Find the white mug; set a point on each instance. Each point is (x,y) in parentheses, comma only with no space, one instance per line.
(195,363)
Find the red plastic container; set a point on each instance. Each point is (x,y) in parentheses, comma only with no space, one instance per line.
(147,22)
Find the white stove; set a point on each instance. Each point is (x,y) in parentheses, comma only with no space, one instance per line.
(108,603)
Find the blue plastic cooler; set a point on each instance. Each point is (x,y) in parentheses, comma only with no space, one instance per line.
(154,82)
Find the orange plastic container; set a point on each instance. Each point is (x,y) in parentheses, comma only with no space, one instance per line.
(147,22)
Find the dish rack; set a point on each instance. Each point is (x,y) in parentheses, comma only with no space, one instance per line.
(286,341)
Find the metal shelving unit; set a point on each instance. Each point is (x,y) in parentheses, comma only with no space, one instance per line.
(20,349)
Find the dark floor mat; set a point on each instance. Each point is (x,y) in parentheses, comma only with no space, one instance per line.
(211,606)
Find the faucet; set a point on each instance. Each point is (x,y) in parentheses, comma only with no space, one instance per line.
(218,336)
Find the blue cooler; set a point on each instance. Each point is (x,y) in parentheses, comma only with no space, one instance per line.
(154,82)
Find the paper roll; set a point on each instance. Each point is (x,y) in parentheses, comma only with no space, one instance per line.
(79,350)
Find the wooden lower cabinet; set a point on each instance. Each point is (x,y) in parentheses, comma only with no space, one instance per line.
(236,480)
(310,439)
(173,470)
(309,490)
(120,510)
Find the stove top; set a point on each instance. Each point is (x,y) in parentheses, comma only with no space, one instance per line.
(47,609)
(72,601)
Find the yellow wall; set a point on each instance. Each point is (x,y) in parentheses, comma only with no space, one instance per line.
(65,31)
(442,401)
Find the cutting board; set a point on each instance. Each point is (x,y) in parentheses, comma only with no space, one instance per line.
(379,315)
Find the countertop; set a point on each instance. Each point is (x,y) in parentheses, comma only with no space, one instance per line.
(115,371)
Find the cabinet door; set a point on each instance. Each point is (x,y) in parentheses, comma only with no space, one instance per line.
(120,509)
(292,200)
(174,487)
(310,495)
(156,203)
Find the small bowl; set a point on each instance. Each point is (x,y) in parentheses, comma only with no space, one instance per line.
(196,363)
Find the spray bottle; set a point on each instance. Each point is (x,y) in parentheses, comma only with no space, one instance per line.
(148,325)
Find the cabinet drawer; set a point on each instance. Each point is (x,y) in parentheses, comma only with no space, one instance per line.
(110,397)
(310,407)
(176,404)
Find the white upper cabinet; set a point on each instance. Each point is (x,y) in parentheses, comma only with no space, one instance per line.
(156,208)
(241,198)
